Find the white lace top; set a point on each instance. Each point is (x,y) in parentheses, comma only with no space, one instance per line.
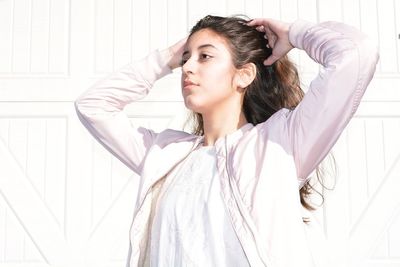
(191,226)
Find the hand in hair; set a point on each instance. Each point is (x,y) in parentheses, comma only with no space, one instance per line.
(174,53)
(277,35)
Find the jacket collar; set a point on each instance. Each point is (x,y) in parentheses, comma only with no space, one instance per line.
(233,137)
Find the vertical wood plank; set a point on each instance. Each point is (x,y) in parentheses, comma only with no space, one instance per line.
(394,238)
(196,10)
(351,13)
(396,11)
(78,186)
(178,27)
(158,26)
(55,172)
(18,141)
(101,183)
(218,8)
(122,33)
(358,185)
(141,28)
(120,175)
(6,24)
(329,10)
(3,229)
(289,10)
(40,36)
(36,153)
(14,240)
(391,142)
(387,36)
(375,154)
(307,10)
(59,36)
(271,9)
(82,47)
(254,9)
(104,36)
(4,130)
(370,21)
(337,213)
(235,7)
(21,36)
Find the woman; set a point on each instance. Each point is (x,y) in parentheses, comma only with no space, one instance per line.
(228,195)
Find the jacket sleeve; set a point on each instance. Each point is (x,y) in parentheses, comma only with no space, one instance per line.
(100,108)
(348,60)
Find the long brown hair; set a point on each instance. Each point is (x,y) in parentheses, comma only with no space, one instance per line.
(274,87)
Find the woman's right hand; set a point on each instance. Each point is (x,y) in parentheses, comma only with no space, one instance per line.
(175,53)
(277,34)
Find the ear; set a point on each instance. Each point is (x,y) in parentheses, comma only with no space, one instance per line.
(245,75)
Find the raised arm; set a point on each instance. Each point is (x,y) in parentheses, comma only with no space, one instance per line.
(348,60)
(100,108)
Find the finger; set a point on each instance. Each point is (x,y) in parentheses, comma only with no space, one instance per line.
(270,60)
(271,41)
(253,22)
(257,21)
(260,28)
(270,34)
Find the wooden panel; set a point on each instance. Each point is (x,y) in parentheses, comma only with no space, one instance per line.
(123,35)
(35,40)
(16,245)
(141,33)
(289,10)
(387,36)
(271,9)
(254,8)
(351,13)
(177,21)
(65,201)
(104,36)
(393,235)
(330,10)
(6,30)
(234,7)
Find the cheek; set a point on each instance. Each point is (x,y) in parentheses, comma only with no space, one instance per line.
(219,77)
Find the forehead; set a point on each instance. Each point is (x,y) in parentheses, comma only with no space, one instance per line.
(206,36)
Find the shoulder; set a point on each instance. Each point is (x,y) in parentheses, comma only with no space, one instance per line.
(275,125)
(272,130)
(169,136)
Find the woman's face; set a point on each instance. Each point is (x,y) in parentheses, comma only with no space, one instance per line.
(208,73)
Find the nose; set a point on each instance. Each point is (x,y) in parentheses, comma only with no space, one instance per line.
(188,66)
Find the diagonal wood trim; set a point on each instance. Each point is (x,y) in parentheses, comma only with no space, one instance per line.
(376,217)
(31,211)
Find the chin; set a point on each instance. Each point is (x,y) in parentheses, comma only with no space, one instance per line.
(192,105)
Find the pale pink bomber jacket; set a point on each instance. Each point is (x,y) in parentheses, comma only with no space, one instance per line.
(261,167)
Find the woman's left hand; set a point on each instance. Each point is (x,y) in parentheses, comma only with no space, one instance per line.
(175,53)
(277,34)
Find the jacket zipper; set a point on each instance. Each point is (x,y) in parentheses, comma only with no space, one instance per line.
(234,190)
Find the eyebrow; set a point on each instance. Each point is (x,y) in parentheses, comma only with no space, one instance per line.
(200,47)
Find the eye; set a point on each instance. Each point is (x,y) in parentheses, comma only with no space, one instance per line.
(183,61)
(205,56)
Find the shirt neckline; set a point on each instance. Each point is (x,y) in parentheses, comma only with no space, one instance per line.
(231,136)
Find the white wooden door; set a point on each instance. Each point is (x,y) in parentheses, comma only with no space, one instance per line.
(65,201)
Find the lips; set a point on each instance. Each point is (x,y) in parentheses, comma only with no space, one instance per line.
(188,84)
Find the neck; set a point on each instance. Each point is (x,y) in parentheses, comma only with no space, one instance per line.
(219,124)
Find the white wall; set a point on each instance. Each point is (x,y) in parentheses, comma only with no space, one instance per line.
(65,200)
